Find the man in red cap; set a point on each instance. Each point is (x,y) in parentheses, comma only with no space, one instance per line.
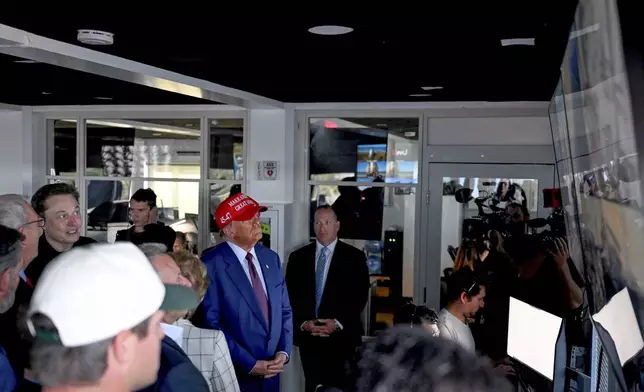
(247,297)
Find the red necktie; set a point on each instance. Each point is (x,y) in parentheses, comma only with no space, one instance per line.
(29,282)
(256,282)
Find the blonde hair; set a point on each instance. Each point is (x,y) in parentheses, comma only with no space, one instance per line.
(194,270)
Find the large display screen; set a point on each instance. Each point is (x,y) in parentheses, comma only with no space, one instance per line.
(593,131)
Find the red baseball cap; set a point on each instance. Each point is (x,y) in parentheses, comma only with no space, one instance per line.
(237,207)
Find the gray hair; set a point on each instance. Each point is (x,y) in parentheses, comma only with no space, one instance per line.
(13,210)
(153,249)
(9,260)
(58,366)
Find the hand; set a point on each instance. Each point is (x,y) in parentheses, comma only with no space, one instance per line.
(261,368)
(325,330)
(278,363)
(309,326)
(559,252)
(153,215)
(505,370)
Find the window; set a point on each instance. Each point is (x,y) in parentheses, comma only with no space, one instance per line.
(364,150)
(143,148)
(61,147)
(108,204)
(226,149)
(367,170)
(118,156)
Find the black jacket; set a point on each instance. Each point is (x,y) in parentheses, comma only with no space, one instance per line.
(152,233)
(46,254)
(345,294)
(176,371)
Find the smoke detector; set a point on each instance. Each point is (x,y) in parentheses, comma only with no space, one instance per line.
(95,37)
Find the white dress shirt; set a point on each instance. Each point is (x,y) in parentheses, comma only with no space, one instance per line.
(330,249)
(241,256)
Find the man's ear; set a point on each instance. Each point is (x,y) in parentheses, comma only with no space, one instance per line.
(464,298)
(23,241)
(5,282)
(124,347)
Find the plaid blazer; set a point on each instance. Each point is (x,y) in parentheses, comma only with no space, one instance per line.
(208,351)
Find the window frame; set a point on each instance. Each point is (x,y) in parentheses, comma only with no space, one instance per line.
(45,117)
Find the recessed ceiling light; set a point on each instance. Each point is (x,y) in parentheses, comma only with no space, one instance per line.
(25,61)
(518,41)
(420,95)
(103,98)
(429,88)
(156,134)
(45,93)
(330,30)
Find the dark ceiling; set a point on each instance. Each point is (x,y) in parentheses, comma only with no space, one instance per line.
(386,57)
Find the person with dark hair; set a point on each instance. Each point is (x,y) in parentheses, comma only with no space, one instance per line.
(143,217)
(328,284)
(58,205)
(465,297)
(95,318)
(411,315)
(404,359)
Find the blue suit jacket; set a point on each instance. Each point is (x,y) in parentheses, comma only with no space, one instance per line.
(230,306)
(176,371)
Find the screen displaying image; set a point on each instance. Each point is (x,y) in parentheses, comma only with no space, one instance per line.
(404,172)
(372,162)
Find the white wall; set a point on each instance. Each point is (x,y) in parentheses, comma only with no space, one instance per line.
(14,170)
(490,131)
(267,140)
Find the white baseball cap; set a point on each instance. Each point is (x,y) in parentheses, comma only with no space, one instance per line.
(92,293)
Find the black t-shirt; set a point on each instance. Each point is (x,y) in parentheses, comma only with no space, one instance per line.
(46,254)
(152,233)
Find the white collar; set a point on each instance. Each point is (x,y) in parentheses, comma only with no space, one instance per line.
(330,248)
(240,253)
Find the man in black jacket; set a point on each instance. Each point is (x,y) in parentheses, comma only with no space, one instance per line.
(58,205)
(143,217)
(328,283)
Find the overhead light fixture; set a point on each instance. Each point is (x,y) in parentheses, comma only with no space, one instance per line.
(25,61)
(429,88)
(518,42)
(330,30)
(420,95)
(45,93)
(103,98)
(95,37)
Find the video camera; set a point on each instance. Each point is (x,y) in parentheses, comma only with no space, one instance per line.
(491,216)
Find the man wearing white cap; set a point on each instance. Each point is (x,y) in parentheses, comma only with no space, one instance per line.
(95,316)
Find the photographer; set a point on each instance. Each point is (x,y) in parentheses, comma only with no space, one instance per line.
(547,277)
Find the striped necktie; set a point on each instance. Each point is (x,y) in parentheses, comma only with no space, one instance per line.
(319,278)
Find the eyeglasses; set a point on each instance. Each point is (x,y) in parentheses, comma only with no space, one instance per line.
(40,222)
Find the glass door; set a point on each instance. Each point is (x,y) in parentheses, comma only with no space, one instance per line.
(488,188)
